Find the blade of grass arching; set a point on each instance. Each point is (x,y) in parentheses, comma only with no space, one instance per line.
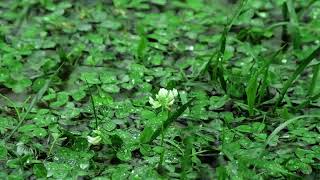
(297,72)
(186,163)
(280,128)
(294,24)
(264,85)
(220,74)
(175,115)
(34,101)
(285,124)
(213,67)
(236,14)
(172,117)
(308,101)
(253,86)
(277,24)
(251,91)
(36,98)
(217,66)
(265,71)
(315,74)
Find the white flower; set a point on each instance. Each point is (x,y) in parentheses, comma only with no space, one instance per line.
(190,48)
(164,98)
(94,140)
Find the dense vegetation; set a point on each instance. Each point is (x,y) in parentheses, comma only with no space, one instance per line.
(159,89)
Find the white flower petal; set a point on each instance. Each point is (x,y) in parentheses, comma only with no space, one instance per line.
(156,105)
(174,92)
(151,100)
(164,98)
(162,93)
(171,102)
(170,97)
(94,140)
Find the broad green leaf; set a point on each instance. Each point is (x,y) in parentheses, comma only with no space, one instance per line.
(110,88)
(90,77)
(39,132)
(124,154)
(107,77)
(146,134)
(39,171)
(109,125)
(58,170)
(244,128)
(217,102)
(62,99)
(258,127)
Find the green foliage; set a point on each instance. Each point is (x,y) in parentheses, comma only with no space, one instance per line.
(76,78)
(297,72)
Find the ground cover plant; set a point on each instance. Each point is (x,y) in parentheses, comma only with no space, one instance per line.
(159,89)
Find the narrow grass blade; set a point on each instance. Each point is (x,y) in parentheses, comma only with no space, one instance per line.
(285,124)
(284,34)
(265,72)
(220,74)
(216,69)
(34,101)
(36,98)
(264,85)
(251,91)
(172,117)
(294,25)
(175,115)
(297,72)
(218,64)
